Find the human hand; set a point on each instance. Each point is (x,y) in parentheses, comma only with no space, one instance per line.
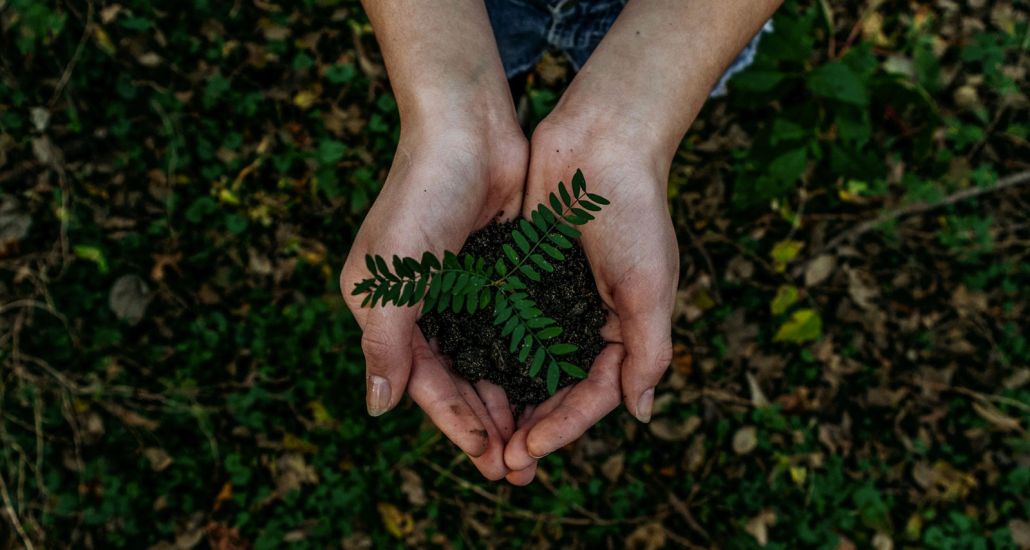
(449,177)
(632,250)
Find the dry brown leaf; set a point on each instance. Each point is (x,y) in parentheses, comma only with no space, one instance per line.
(758,526)
(745,440)
(158,458)
(649,536)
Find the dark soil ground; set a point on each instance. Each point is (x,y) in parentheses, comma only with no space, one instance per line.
(474,343)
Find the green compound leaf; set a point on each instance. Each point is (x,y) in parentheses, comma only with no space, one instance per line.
(555,204)
(565,198)
(598,199)
(568,231)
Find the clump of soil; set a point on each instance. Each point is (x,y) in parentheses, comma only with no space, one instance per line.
(474,343)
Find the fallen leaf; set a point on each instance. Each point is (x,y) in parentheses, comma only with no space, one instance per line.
(411,486)
(667,429)
(397,523)
(819,269)
(785,297)
(158,458)
(804,325)
(612,468)
(783,252)
(997,418)
(129,298)
(649,536)
(758,526)
(1020,531)
(745,440)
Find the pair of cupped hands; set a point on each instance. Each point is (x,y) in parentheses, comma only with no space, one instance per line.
(453,174)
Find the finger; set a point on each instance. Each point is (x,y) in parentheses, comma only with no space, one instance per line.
(647,333)
(497,405)
(522,478)
(386,341)
(588,402)
(434,390)
(516,453)
(491,462)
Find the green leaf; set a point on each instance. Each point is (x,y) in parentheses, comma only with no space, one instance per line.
(549,332)
(509,326)
(384,271)
(457,301)
(786,296)
(572,370)
(540,322)
(538,362)
(837,81)
(400,268)
(420,291)
(443,302)
(789,166)
(561,349)
(501,268)
(590,206)
(435,286)
(430,262)
(546,212)
(552,252)
(520,240)
(528,229)
(525,349)
(555,205)
(565,198)
(412,265)
(484,297)
(471,304)
(371,264)
(516,337)
(568,231)
(583,214)
(538,219)
(542,263)
(804,325)
(406,292)
(510,253)
(579,183)
(552,378)
(559,240)
(368,298)
(598,199)
(362,286)
(528,271)
(448,280)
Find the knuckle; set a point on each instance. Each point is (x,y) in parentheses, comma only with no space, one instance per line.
(376,345)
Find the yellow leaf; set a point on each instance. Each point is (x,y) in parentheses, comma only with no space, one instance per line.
(294,443)
(228,196)
(786,295)
(804,325)
(799,474)
(783,252)
(306,98)
(397,523)
(103,40)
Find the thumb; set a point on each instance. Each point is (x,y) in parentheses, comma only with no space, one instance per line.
(647,337)
(386,343)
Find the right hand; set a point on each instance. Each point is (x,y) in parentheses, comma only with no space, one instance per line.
(449,178)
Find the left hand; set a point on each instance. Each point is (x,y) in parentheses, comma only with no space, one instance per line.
(632,250)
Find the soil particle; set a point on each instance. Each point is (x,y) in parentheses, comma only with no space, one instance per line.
(475,345)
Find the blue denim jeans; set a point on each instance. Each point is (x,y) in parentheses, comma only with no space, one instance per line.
(525,29)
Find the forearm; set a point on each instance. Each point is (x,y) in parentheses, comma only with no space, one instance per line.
(441,57)
(654,69)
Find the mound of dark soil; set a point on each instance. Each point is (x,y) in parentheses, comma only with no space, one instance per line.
(474,343)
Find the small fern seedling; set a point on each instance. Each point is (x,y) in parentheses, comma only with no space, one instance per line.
(467,283)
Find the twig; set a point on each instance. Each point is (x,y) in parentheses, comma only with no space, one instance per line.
(708,260)
(920,207)
(67,74)
(9,508)
(684,511)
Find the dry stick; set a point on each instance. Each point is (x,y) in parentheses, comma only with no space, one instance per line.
(9,508)
(920,207)
(67,74)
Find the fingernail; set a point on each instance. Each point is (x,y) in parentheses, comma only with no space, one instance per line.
(645,405)
(378,400)
(536,457)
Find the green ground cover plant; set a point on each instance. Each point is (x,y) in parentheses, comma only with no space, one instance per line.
(180,183)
